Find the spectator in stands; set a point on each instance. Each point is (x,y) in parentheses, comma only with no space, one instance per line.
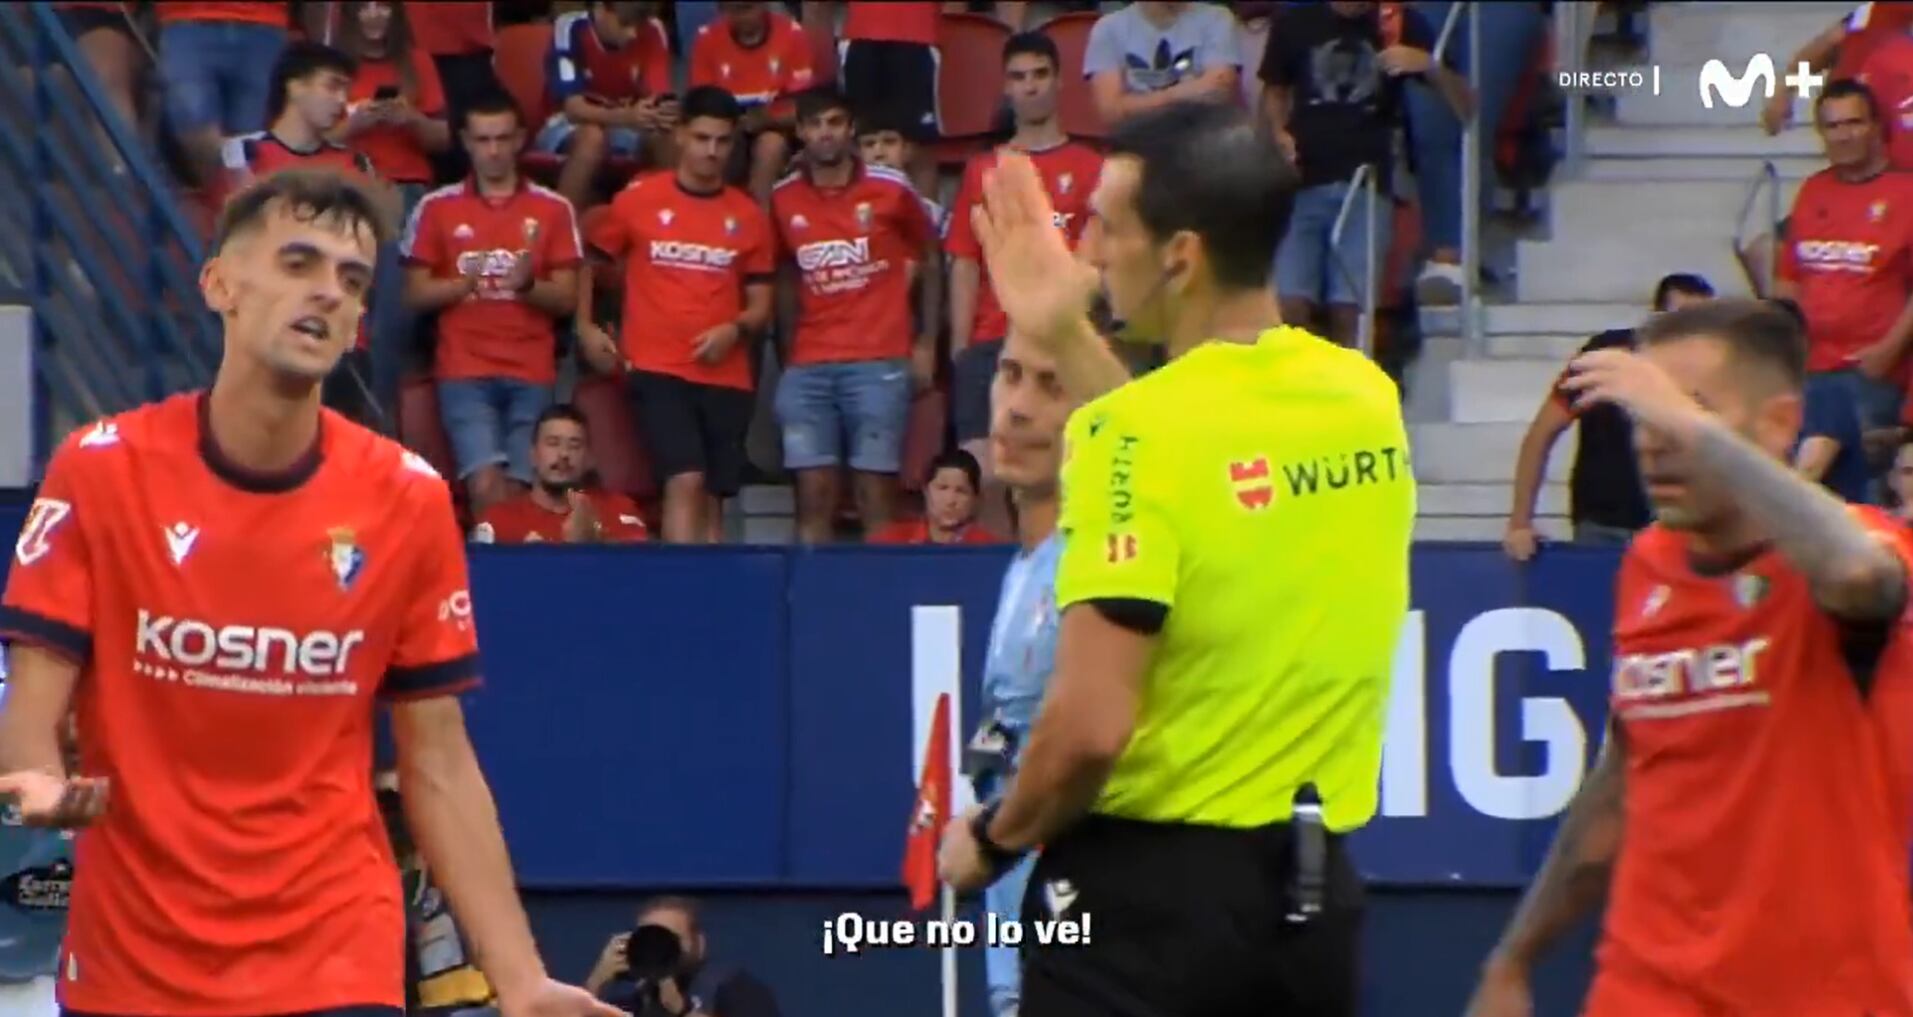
(310,84)
(1510,32)
(1332,79)
(1151,53)
(950,501)
(611,73)
(216,61)
(1899,479)
(1847,262)
(698,258)
(1606,502)
(395,112)
(496,257)
(1841,51)
(697,988)
(459,37)
(1031,82)
(889,69)
(1831,449)
(559,507)
(105,37)
(851,231)
(763,58)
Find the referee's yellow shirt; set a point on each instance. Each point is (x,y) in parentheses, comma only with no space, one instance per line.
(1263,494)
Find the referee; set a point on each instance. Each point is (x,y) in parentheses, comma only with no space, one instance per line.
(1236,532)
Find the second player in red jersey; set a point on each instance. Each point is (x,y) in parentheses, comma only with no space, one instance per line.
(1750,818)
(221,587)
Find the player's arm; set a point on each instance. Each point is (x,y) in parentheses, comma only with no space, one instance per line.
(1574,876)
(556,294)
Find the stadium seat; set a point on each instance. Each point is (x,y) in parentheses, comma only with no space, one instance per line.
(972,57)
(615,445)
(924,436)
(1076,104)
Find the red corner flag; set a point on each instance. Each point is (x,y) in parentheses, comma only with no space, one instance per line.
(930,814)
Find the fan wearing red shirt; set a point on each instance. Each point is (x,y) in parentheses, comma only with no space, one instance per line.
(497,257)
(559,508)
(763,58)
(1888,73)
(611,76)
(395,109)
(1847,262)
(887,65)
(851,231)
(1843,50)
(949,507)
(1751,814)
(224,587)
(216,62)
(1031,82)
(698,258)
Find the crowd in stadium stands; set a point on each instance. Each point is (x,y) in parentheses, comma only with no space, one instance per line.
(687,230)
(1843,265)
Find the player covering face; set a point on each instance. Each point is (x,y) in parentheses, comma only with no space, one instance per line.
(1748,819)
(240,867)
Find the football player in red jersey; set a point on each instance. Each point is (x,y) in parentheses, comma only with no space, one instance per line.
(222,586)
(1749,818)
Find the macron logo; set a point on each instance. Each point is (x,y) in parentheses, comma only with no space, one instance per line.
(1717,82)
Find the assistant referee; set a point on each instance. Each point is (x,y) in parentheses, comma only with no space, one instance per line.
(1233,581)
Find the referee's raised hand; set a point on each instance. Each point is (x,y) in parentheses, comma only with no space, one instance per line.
(1042,286)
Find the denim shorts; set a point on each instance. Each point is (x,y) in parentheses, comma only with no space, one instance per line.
(1312,264)
(624,142)
(489,422)
(218,74)
(866,400)
(1877,402)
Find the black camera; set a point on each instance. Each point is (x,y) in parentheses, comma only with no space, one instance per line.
(652,955)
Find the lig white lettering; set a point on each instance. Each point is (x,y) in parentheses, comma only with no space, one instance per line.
(1405,744)
(1545,719)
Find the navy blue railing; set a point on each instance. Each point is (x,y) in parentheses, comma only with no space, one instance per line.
(101,245)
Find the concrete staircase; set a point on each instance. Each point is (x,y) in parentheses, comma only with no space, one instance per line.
(1661,190)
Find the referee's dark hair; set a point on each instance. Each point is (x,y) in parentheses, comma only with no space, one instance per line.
(1755,331)
(1212,170)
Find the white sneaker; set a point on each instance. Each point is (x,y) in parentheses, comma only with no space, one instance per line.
(1440,285)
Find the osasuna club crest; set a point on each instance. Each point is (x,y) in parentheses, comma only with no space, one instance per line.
(1749,589)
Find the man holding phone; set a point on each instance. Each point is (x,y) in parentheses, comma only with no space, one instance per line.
(611,73)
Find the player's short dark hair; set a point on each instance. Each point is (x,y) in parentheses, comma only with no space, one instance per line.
(301,60)
(958,459)
(711,102)
(693,914)
(1755,331)
(560,411)
(310,193)
(1032,44)
(1215,171)
(489,103)
(1684,283)
(816,102)
(1847,88)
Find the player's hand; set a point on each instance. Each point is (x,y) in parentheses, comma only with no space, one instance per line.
(1632,382)
(1520,542)
(1398,60)
(599,349)
(520,278)
(555,999)
(582,525)
(959,860)
(611,960)
(1502,992)
(923,363)
(364,117)
(1777,113)
(1878,360)
(1043,288)
(711,346)
(46,800)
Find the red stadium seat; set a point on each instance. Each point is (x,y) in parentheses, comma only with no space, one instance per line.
(971,62)
(615,445)
(1076,104)
(924,436)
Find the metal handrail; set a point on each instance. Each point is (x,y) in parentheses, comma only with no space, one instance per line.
(1447,32)
(1471,184)
(1571,28)
(1365,184)
(1766,178)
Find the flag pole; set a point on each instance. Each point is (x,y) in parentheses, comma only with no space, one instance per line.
(949,954)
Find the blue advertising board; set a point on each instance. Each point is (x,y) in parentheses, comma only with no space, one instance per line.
(748,717)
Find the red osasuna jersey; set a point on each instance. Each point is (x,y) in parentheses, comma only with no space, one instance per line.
(688,257)
(582,64)
(520,520)
(1069,173)
(258,12)
(1768,803)
(234,632)
(770,73)
(1849,254)
(893,21)
(852,247)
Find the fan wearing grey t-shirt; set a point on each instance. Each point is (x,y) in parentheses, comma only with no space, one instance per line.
(1153,53)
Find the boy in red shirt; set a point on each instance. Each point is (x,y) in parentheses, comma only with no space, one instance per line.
(949,507)
(558,508)
(497,256)
(763,58)
(1751,815)
(852,231)
(611,75)
(224,587)
(697,291)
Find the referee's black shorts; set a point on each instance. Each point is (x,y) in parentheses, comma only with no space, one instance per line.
(1187,921)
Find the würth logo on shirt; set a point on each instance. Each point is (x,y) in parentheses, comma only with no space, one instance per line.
(1253,486)
(682,254)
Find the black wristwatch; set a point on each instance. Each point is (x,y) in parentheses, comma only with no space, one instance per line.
(999,858)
